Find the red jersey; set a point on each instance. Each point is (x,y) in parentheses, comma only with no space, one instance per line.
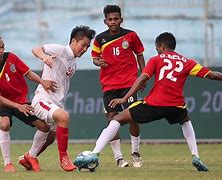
(171,71)
(118,51)
(12,82)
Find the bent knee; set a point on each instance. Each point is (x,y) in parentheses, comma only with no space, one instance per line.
(4,124)
(61,117)
(64,118)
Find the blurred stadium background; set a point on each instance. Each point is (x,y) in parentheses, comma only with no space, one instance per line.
(197,25)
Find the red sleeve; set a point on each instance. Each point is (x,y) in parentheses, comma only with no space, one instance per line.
(137,44)
(203,72)
(20,65)
(96,50)
(150,67)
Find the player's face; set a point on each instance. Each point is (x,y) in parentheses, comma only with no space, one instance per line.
(79,47)
(113,21)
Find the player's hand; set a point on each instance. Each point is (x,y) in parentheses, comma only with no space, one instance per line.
(49,85)
(26,109)
(101,63)
(48,59)
(116,101)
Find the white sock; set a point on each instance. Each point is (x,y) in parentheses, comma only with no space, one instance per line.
(38,141)
(5,146)
(115,145)
(135,143)
(107,134)
(189,135)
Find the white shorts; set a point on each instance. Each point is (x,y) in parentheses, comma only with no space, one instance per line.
(44,108)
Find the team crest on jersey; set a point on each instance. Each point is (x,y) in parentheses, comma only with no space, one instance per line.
(12,68)
(125,44)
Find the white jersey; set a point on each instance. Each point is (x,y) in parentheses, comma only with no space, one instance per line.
(63,68)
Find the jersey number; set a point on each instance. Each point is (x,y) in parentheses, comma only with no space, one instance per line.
(115,51)
(169,66)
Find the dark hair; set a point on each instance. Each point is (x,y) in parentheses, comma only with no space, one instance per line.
(167,39)
(81,31)
(111,9)
(1,40)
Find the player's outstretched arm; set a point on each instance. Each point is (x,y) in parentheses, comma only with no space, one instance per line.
(24,108)
(47,84)
(214,75)
(7,103)
(140,81)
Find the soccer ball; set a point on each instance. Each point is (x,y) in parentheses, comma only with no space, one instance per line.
(83,154)
(86,160)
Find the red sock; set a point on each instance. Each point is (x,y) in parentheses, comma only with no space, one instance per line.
(62,135)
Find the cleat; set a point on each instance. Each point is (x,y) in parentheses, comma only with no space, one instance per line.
(89,162)
(67,164)
(25,163)
(9,168)
(137,160)
(33,162)
(198,164)
(122,163)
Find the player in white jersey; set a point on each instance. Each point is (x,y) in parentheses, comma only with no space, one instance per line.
(62,69)
(59,66)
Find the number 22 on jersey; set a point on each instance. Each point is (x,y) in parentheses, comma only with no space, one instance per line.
(169,66)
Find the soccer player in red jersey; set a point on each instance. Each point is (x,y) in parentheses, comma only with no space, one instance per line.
(118,52)
(165,100)
(13,91)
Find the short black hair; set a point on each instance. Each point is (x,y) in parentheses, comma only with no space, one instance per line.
(1,40)
(111,9)
(81,31)
(167,39)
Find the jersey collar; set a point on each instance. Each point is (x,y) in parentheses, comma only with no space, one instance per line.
(70,51)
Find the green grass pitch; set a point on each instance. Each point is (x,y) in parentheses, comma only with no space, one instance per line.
(160,161)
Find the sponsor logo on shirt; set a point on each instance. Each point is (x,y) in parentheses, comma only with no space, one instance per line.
(70,72)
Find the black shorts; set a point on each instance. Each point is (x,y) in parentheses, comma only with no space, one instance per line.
(143,113)
(119,93)
(9,112)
